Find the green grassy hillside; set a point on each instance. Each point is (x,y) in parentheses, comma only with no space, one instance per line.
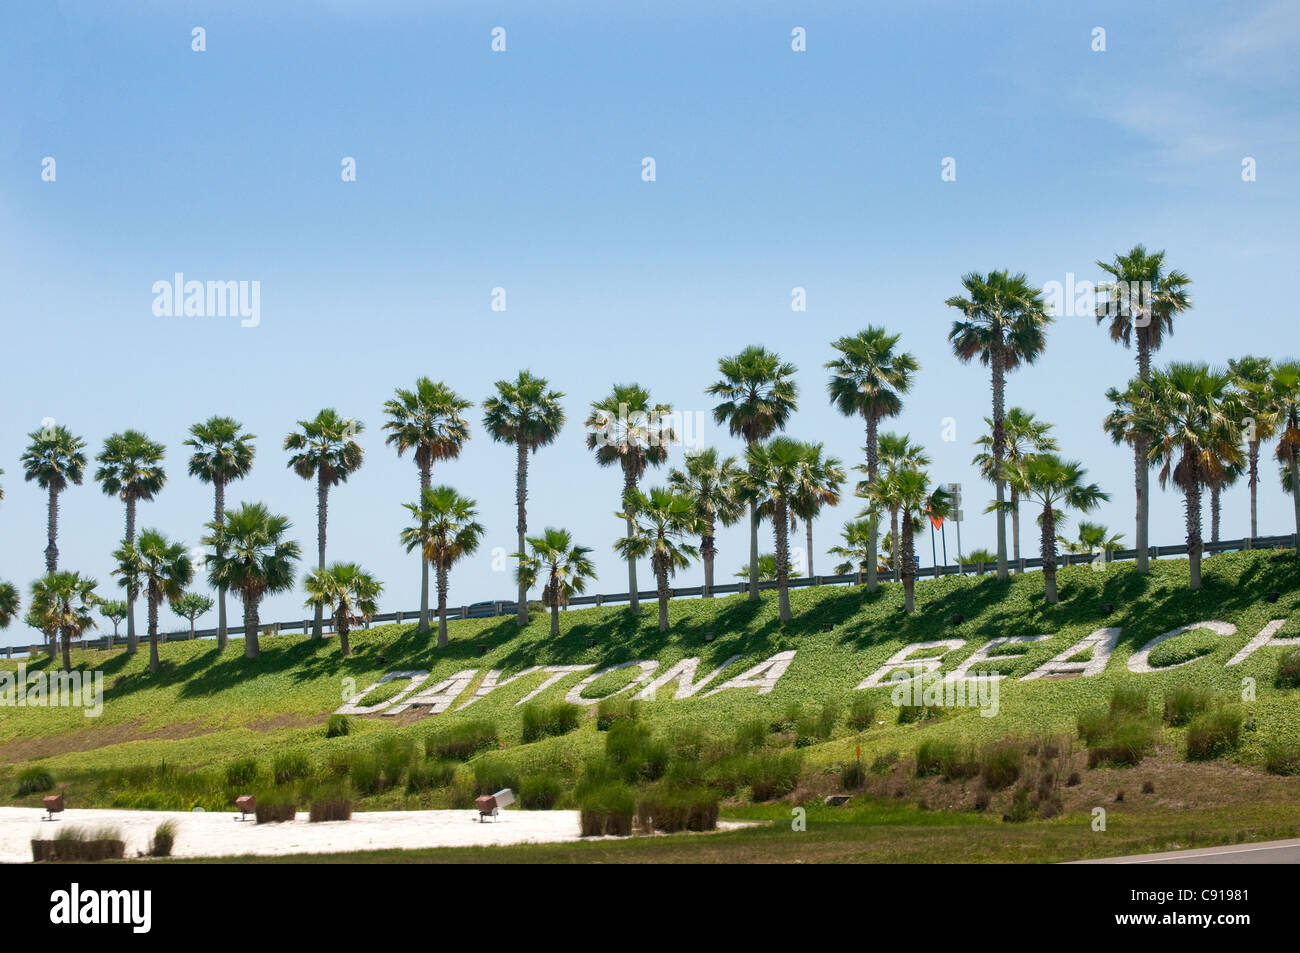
(166,740)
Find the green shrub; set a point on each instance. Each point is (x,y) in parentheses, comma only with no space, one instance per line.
(910,714)
(771,774)
(164,839)
(1282,757)
(884,763)
(241,773)
(34,780)
(607,810)
(1021,807)
(1214,733)
(290,766)
(789,720)
(541,720)
(491,774)
(275,807)
(540,792)
(616,709)
(338,726)
(462,741)
(429,775)
(1000,765)
(1185,702)
(1128,699)
(1094,726)
(862,711)
(945,758)
(77,844)
(852,775)
(670,809)
(330,804)
(1129,739)
(751,733)
(1288,670)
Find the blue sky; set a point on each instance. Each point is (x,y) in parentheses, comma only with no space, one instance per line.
(522,170)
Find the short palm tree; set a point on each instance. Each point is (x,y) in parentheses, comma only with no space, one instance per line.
(564,568)
(527,413)
(766,568)
(349,593)
(710,482)
(1023,434)
(1054,484)
(769,483)
(9,603)
(1140,303)
(897,452)
(326,449)
(868,380)
(1252,376)
(1197,415)
(162,569)
(62,604)
(758,396)
(856,549)
(820,479)
(446,531)
(54,459)
(222,454)
(1284,393)
(627,429)
(251,556)
(429,421)
(190,606)
(1003,323)
(907,491)
(131,469)
(1091,538)
(663,519)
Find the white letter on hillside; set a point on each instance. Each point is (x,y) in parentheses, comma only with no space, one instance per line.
(574,697)
(492,680)
(559,672)
(919,666)
(981,654)
(1140,663)
(684,673)
(1102,642)
(762,676)
(1265,638)
(437,698)
(416,677)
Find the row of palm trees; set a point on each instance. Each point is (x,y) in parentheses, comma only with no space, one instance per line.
(1190,421)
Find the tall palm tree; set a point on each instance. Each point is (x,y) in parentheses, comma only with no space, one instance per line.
(820,479)
(428,420)
(1252,376)
(54,459)
(251,555)
(1284,392)
(9,603)
(710,483)
(1225,474)
(164,569)
(446,530)
(663,519)
(769,483)
(1197,415)
(1003,323)
(869,379)
(566,568)
(1054,483)
(222,454)
(1023,433)
(1141,303)
(349,593)
(130,468)
(63,604)
(897,452)
(758,396)
(627,429)
(326,449)
(526,413)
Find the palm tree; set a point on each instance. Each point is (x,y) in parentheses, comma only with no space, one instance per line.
(222,454)
(769,484)
(190,606)
(9,603)
(907,491)
(251,556)
(1092,537)
(525,413)
(164,569)
(869,380)
(130,468)
(1003,324)
(1226,473)
(62,603)
(1197,415)
(820,479)
(114,610)
(1284,394)
(1251,376)
(326,449)
(1023,434)
(568,568)
(758,396)
(1054,483)
(897,452)
(663,518)
(349,592)
(445,532)
(857,550)
(766,568)
(428,420)
(627,428)
(54,459)
(979,558)
(1142,302)
(710,483)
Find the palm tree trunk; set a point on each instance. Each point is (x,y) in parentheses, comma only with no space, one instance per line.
(67,649)
(345,647)
(132,642)
(909,566)
(781,523)
(752,594)
(999,451)
(52,533)
(521,524)
(896,546)
(219,517)
(555,609)
(1015,525)
(442,607)
(707,551)
(252,648)
(1215,494)
(322,517)
(1254,487)
(629,484)
(1142,468)
(661,581)
(1294,466)
(1049,554)
(425,481)
(873,542)
(153,631)
(1192,495)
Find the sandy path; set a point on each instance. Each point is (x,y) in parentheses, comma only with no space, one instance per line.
(220,835)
